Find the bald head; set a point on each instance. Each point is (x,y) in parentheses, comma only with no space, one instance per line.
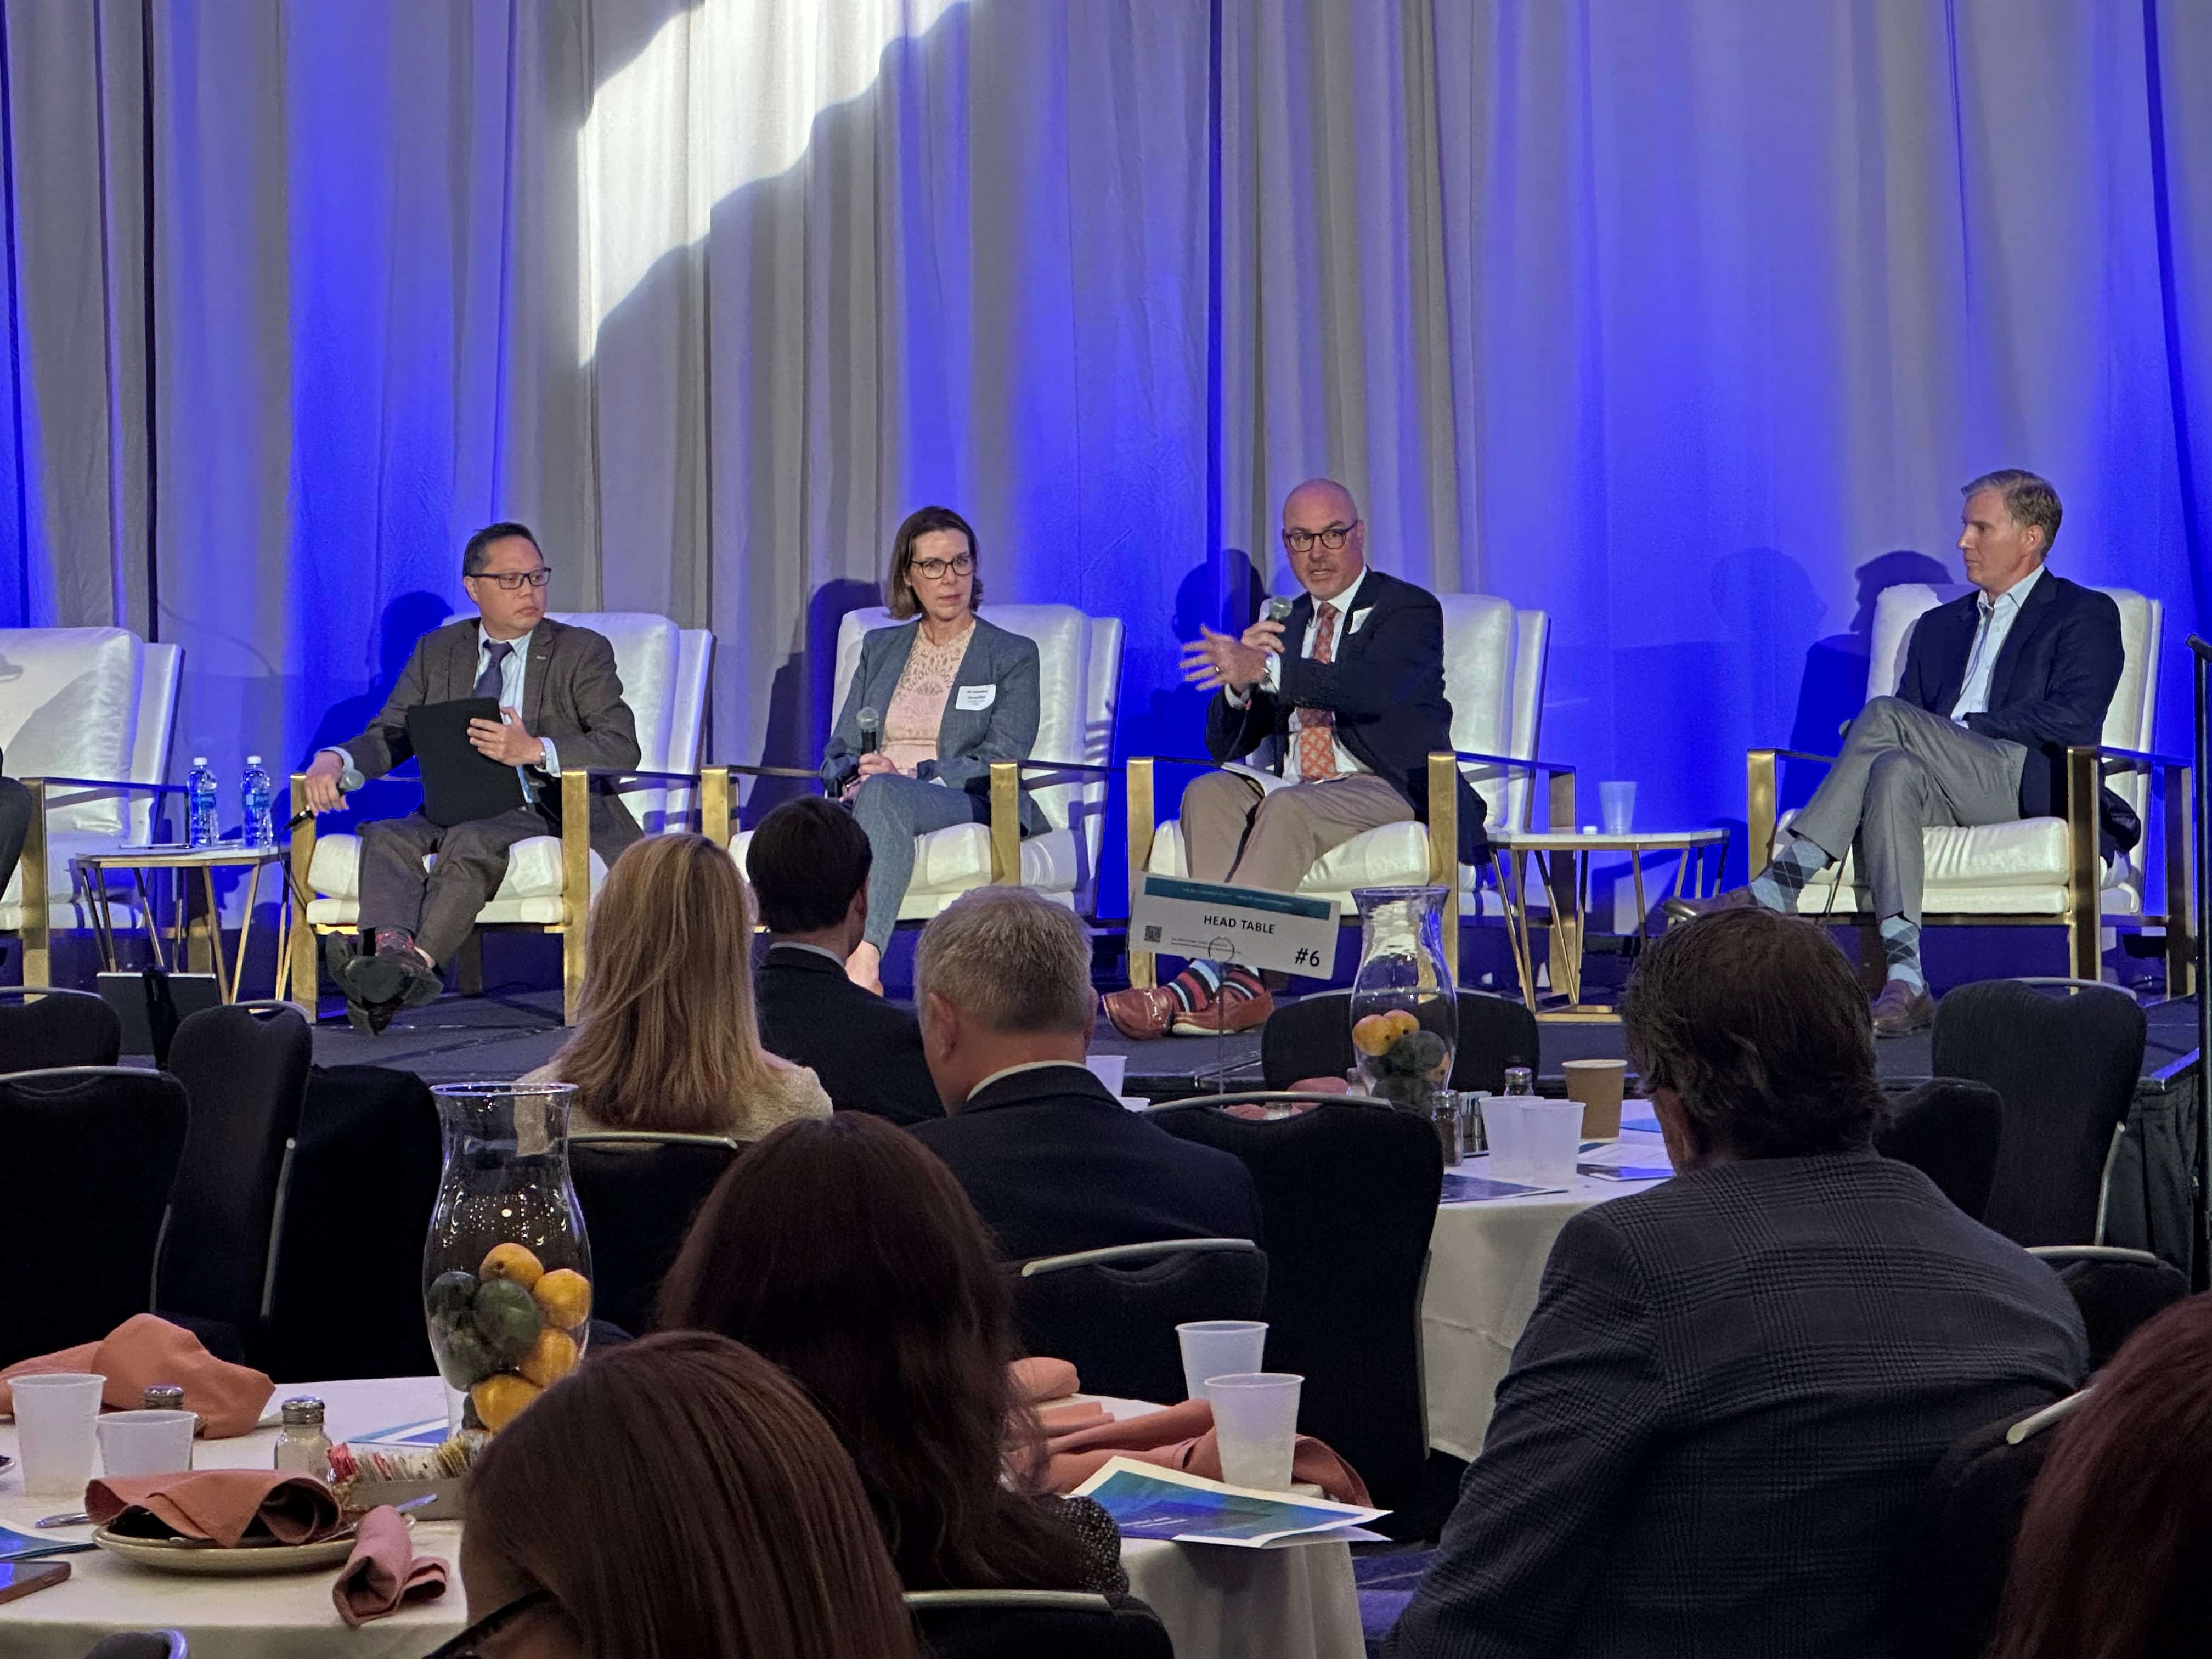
(1317,511)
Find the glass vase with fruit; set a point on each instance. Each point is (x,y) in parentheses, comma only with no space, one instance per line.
(507,1269)
(1405,1008)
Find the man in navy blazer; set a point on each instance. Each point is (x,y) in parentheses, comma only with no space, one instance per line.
(1735,1384)
(1351,687)
(1052,1161)
(1997,684)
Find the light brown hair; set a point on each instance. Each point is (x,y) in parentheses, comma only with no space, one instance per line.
(667,1038)
(679,1496)
(2031,500)
(900,598)
(1010,958)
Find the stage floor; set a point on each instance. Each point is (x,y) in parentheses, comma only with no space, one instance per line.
(509,1031)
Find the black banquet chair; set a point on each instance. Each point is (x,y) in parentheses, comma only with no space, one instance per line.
(2064,1061)
(1025,1623)
(1312,1037)
(1112,1313)
(42,1027)
(1948,1129)
(91,1154)
(638,1193)
(244,1068)
(2116,1290)
(1348,1193)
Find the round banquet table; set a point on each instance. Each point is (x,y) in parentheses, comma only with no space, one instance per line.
(1485,1262)
(1217,1602)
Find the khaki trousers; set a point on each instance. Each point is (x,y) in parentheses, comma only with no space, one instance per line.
(1234,832)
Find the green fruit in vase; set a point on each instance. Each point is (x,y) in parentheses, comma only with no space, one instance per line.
(508,1319)
(450,1297)
(464,1358)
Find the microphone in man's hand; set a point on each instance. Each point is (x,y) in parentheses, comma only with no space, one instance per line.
(872,730)
(349,780)
(1277,610)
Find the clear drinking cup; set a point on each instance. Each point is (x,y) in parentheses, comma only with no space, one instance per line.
(1616,808)
(1215,1347)
(146,1442)
(55,1412)
(1255,1422)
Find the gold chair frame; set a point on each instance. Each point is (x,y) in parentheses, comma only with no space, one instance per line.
(36,930)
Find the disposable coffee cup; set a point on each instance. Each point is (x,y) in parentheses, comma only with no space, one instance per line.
(1597,1084)
(1255,1423)
(147,1442)
(55,1412)
(1215,1347)
(1553,1137)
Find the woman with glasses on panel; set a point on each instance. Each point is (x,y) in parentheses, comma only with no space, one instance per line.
(933,704)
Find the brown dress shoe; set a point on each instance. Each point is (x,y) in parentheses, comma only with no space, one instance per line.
(1900,1009)
(1140,1013)
(1227,1014)
(1736,898)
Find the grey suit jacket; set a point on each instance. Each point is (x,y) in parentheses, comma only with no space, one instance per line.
(968,739)
(1715,1423)
(572,696)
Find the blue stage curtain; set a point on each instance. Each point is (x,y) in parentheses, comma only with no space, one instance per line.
(1684,322)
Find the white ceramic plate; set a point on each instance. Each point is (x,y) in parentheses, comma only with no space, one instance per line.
(194,1555)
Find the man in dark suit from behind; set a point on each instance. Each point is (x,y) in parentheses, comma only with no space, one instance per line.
(1997,684)
(1735,1383)
(808,862)
(1053,1162)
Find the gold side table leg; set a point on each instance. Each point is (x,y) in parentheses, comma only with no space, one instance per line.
(207,936)
(245,932)
(146,919)
(1516,923)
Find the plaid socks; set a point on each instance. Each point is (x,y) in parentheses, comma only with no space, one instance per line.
(1198,985)
(1900,949)
(1797,863)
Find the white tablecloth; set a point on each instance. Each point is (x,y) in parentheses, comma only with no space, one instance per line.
(1485,1262)
(1217,1603)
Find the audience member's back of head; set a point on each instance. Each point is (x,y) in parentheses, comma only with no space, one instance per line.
(1010,960)
(679,1496)
(1757,1023)
(844,1251)
(807,859)
(2114,1559)
(667,1038)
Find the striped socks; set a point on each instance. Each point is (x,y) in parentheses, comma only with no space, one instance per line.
(1900,949)
(1198,985)
(1797,863)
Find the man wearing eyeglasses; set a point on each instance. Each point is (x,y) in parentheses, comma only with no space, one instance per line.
(561,702)
(1350,686)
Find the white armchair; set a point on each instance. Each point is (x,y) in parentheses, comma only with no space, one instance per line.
(2033,872)
(86,715)
(1080,684)
(1495,659)
(551,879)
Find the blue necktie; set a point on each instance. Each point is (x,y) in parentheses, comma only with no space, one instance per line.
(492,682)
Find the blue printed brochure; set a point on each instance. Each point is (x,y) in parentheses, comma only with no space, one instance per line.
(1147,1501)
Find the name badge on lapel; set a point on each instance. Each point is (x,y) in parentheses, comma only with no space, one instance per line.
(974,697)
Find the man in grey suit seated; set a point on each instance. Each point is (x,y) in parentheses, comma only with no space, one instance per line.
(561,702)
(1735,1383)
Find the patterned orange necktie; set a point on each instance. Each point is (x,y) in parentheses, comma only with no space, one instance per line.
(1317,726)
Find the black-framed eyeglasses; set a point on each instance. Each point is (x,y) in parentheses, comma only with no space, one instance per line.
(467,1644)
(514,581)
(937,569)
(1336,535)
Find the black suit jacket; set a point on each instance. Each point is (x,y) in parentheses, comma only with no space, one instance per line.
(2052,684)
(1386,688)
(867,1051)
(1055,1165)
(1719,1416)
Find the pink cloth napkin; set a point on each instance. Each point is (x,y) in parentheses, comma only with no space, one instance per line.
(145,1350)
(225,1506)
(1182,1438)
(383,1573)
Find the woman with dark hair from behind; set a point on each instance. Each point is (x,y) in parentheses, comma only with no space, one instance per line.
(2114,1559)
(849,1255)
(676,1497)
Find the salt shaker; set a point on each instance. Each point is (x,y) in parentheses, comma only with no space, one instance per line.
(1444,1116)
(302,1448)
(1520,1080)
(163,1397)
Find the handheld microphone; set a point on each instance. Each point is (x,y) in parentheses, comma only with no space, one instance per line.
(349,780)
(1277,610)
(871,729)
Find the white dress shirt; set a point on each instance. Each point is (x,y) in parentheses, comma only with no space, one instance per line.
(1347,623)
(511,676)
(1999,615)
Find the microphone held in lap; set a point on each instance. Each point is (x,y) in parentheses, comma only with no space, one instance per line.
(349,780)
(871,728)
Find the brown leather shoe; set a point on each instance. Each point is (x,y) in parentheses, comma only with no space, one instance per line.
(1231,1014)
(1900,1010)
(1140,1013)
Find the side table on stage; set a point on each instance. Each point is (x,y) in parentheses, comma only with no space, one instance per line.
(197,933)
(1563,858)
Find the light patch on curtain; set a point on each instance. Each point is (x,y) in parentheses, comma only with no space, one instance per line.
(726,94)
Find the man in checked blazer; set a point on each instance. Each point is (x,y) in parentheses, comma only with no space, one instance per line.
(561,702)
(1735,1383)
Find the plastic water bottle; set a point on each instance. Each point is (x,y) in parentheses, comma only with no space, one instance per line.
(259,792)
(200,828)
